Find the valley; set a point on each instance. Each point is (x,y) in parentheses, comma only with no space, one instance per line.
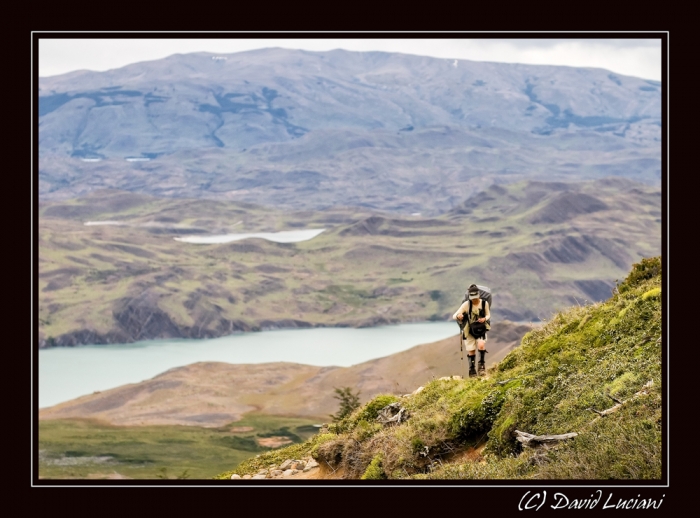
(540,246)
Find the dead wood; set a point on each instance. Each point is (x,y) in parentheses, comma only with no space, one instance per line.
(392,414)
(527,439)
(612,409)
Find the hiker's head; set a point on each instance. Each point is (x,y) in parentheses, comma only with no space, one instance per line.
(473,293)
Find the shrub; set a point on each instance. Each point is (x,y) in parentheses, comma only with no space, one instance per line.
(645,269)
(374,471)
(349,402)
(417,444)
(371,409)
(477,416)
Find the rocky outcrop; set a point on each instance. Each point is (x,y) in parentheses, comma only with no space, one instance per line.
(288,468)
(140,318)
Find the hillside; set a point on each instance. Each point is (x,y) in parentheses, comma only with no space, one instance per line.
(312,130)
(540,246)
(593,371)
(213,394)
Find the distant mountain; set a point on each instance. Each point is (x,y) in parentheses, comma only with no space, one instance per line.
(305,129)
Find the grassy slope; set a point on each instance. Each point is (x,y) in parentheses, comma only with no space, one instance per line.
(362,271)
(72,448)
(574,363)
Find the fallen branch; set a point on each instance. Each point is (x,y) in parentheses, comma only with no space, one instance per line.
(615,399)
(506,381)
(645,339)
(612,409)
(607,411)
(527,439)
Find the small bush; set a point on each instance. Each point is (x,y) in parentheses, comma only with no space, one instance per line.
(647,268)
(374,471)
(417,444)
(476,417)
(371,409)
(349,402)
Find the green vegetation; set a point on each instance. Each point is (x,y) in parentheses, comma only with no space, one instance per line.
(348,402)
(583,360)
(90,449)
(374,471)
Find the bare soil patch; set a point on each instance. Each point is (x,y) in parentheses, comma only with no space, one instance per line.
(242,429)
(275,441)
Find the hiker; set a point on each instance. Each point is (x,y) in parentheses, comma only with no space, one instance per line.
(474,328)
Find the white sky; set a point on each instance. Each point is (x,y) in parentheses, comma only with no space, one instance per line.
(632,57)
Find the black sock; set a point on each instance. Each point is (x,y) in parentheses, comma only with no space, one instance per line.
(481,356)
(471,361)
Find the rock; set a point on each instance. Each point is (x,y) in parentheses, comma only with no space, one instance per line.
(247,477)
(286,465)
(262,472)
(235,476)
(259,477)
(298,465)
(289,472)
(419,389)
(310,465)
(276,473)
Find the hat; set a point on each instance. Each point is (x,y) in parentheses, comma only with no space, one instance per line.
(473,292)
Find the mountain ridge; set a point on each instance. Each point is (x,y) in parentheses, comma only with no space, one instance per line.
(244,127)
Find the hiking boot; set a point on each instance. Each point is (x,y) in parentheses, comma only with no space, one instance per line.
(482,369)
(472,371)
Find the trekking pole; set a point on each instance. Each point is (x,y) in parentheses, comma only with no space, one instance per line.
(461,347)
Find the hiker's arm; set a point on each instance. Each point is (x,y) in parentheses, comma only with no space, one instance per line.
(487,312)
(461,310)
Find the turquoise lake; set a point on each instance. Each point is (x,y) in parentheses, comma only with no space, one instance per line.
(69,372)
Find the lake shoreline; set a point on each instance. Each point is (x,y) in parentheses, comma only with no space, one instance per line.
(69,372)
(87,337)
